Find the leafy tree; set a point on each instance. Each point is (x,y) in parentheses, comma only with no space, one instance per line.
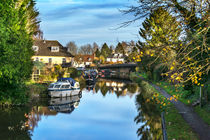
(72,47)
(133,54)
(15,48)
(102,59)
(192,56)
(161,33)
(31,14)
(105,51)
(119,48)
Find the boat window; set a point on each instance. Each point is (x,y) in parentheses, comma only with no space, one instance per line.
(51,86)
(63,86)
(67,86)
(57,86)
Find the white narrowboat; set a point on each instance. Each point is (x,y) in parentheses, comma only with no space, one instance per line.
(64,87)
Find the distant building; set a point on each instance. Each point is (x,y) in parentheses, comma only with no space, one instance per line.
(83,60)
(115,58)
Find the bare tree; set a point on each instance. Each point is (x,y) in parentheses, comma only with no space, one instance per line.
(86,49)
(72,47)
(95,46)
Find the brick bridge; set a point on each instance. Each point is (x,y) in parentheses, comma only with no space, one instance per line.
(119,70)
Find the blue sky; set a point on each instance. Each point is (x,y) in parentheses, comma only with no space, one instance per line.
(86,21)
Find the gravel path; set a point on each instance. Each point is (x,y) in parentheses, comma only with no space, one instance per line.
(196,123)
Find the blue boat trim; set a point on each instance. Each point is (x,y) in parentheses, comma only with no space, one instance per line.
(60,89)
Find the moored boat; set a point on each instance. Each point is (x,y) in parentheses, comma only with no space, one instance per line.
(90,76)
(64,87)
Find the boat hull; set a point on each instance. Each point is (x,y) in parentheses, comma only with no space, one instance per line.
(64,93)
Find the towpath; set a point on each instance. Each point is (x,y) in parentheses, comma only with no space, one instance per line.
(195,122)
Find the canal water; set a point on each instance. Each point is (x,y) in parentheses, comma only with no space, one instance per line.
(108,110)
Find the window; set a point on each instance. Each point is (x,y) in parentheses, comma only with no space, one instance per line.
(64,61)
(89,59)
(35,48)
(67,86)
(51,86)
(50,60)
(63,86)
(36,75)
(57,86)
(36,72)
(55,49)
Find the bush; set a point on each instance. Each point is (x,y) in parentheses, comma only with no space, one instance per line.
(74,72)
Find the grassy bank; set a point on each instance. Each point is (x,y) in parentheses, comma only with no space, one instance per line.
(184,96)
(176,126)
(36,89)
(204,113)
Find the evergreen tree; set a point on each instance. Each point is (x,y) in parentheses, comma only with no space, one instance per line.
(132,55)
(105,51)
(119,49)
(193,56)
(161,33)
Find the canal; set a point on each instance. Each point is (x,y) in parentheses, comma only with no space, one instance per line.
(110,109)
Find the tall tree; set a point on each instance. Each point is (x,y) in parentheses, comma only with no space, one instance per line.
(15,48)
(72,47)
(119,49)
(194,16)
(86,49)
(133,54)
(105,51)
(161,33)
(97,53)
(31,13)
(112,48)
(95,46)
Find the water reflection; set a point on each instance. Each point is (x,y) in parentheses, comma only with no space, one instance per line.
(64,105)
(106,109)
(116,86)
(54,106)
(12,124)
(148,115)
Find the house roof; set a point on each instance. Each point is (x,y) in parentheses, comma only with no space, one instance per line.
(45,48)
(84,58)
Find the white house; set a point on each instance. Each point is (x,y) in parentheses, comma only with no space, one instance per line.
(117,57)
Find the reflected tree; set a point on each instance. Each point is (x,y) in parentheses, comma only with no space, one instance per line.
(132,88)
(14,128)
(148,115)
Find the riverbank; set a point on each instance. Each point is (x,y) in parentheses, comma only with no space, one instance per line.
(176,126)
(37,89)
(185,97)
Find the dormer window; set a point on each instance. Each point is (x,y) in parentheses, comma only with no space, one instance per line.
(54,49)
(35,48)
(89,59)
